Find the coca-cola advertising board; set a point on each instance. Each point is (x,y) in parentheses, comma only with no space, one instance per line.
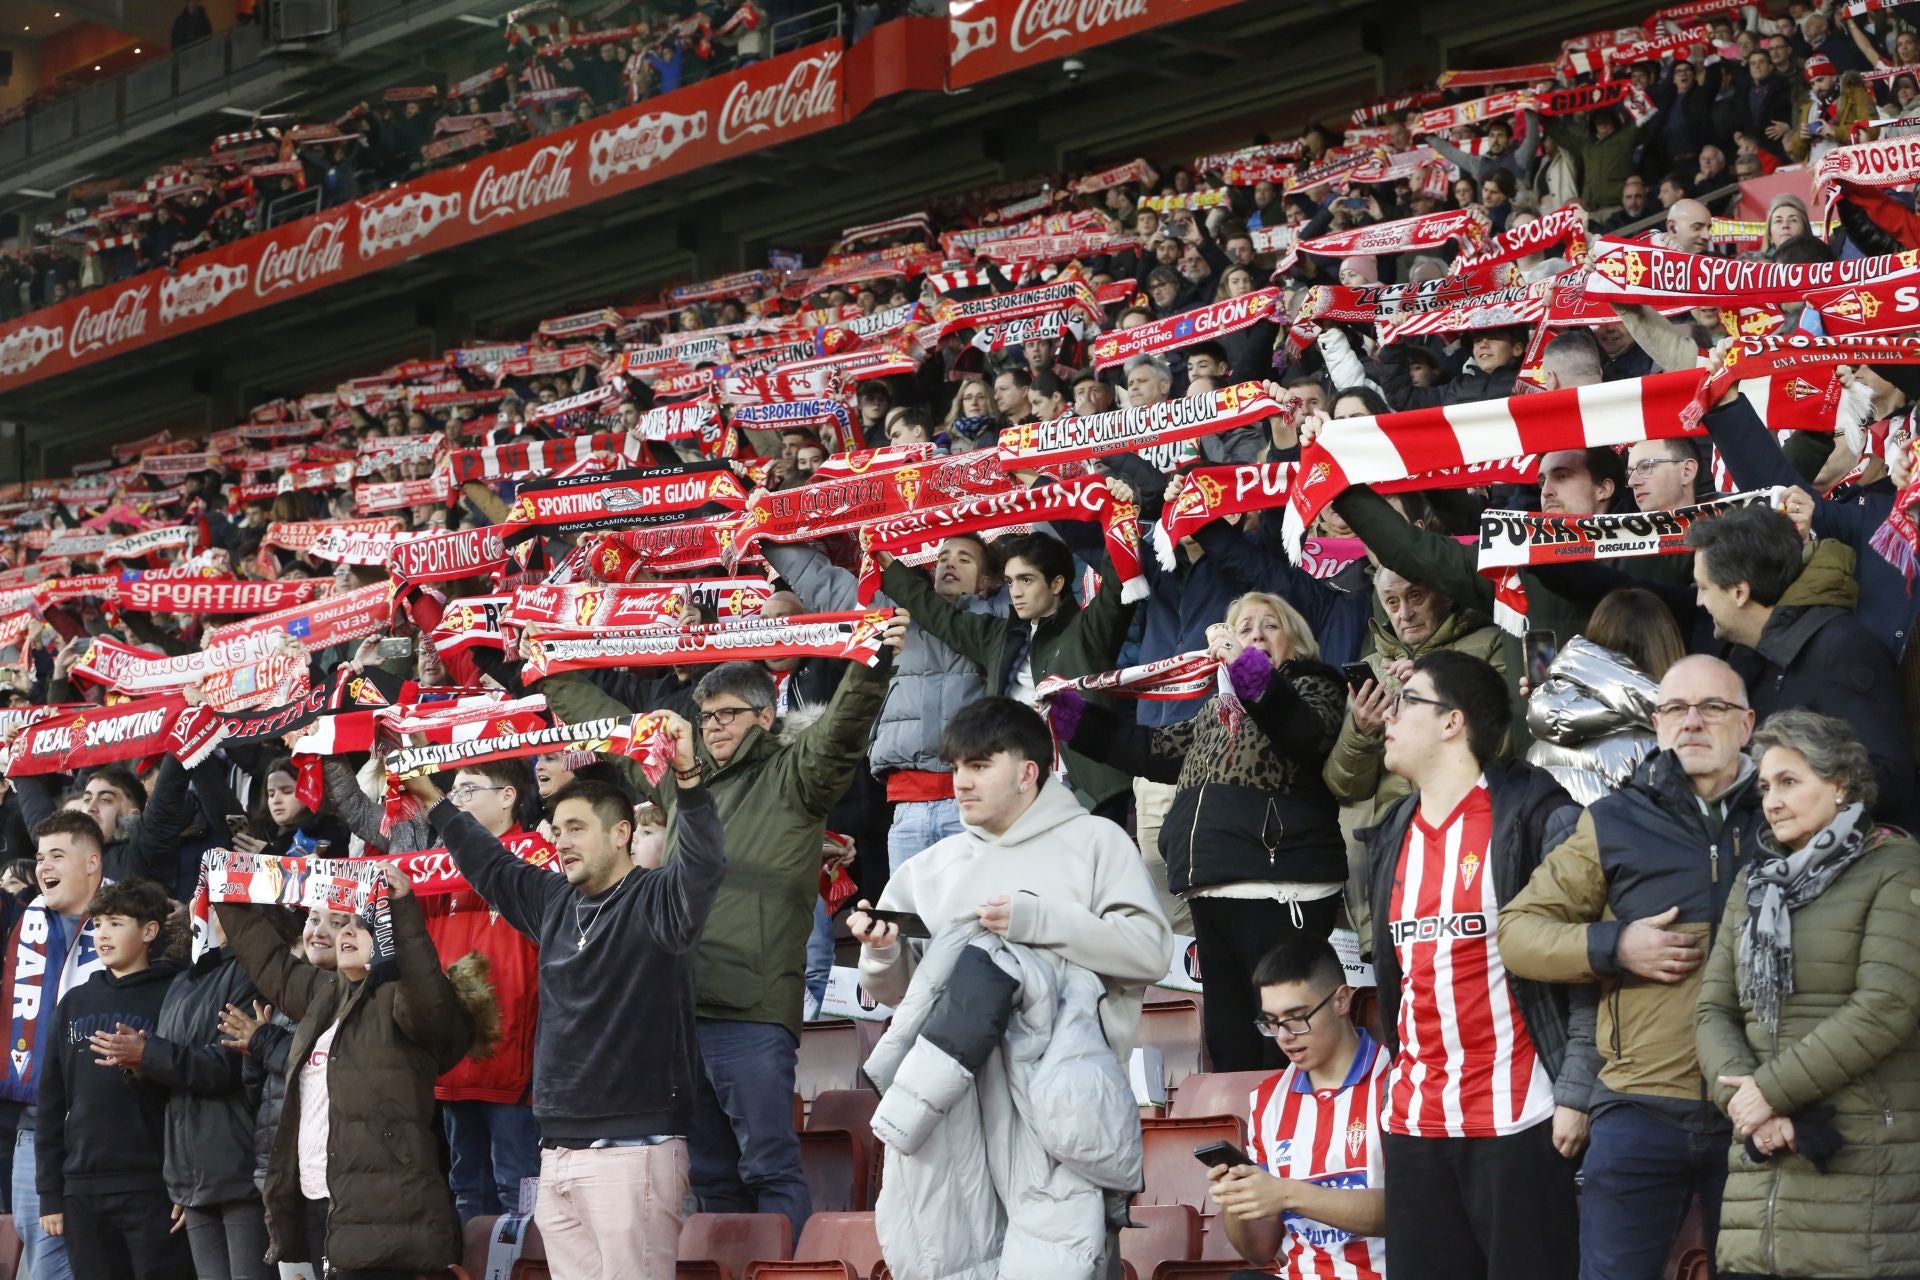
(992,37)
(760,106)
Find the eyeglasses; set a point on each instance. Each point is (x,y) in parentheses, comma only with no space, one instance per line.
(468,790)
(1644,469)
(1712,710)
(723,716)
(1270,1026)
(1403,697)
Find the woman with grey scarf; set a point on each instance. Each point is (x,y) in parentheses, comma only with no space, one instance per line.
(1809,1022)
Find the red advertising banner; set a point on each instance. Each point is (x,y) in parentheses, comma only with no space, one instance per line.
(763,105)
(992,37)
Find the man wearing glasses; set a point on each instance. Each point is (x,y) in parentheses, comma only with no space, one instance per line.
(1631,902)
(1316,1201)
(492,1139)
(1482,1116)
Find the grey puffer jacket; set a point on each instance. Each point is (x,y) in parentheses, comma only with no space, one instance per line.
(1592,720)
(930,683)
(995,1038)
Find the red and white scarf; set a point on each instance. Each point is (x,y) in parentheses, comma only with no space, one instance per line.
(586,503)
(849,503)
(1039,445)
(1511,540)
(1229,315)
(531,457)
(641,738)
(447,557)
(213,595)
(587,608)
(1175,679)
(435,490)
(1081,498)
(1565,226)
(299,536)
(1395,446)
(1634,271)
(151,541)
(317,625)
(1467,228)
(853,635)
(96,736)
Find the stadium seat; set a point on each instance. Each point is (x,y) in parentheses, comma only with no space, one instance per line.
(1167,995)
(1173,1027)
(801,1271)
(848,1237)
(718,1246)
(851,1110)
(1173,1176)
(1214,1245)
(1218,1093)
(10,1248)
(476,1236)
(829,1057)
(1690,1259)
(836,1167)
(1202,1269)
(1165,1232)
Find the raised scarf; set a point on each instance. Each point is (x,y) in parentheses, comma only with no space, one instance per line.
(1081,498)
(1634,271)
(131,669)
(586,608)
(298,536)
(1495,309)
(149,541)
(95,736)
(1214,492)
(632,555)
(1072,293)
(1511,540)
(213,595)
(435,490)
(1395,446)
(1175,679)
(1039,445)
(447,557)
(640,737)
(1565,226)
(1778,884)
(1229,315)
(530,457)
(1805,369)
(849,503)
(1491,76)
(40,947)
(380,452)
(317,625)
(1898,537)
(1889,162)
(356,885)
(569,505)
(853,635)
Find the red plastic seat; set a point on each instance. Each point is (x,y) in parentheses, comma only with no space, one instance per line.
(1167,995)
(1214,1245)
(718,1246)
(801,1271)
(1218,1093)
(847,1237)
(829,1057)
(475,1239)
(1166,1232)
(835,1163)
(1173,1176)
(852,1110)
(10,1249)
(1201,1269)
(1173,1027)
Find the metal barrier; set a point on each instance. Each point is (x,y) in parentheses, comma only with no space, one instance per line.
(806,28)
(293,207)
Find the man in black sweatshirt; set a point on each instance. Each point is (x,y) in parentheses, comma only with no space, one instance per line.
(102,1139)
(614,1056)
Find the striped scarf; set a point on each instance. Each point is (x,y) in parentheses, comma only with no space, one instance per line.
(40,946)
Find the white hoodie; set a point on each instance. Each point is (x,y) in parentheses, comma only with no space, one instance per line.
(1077,887)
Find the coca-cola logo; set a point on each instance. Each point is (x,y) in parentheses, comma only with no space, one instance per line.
(27,346)
(811,91)
(641,143)
(402,222)
(284,266)
(123,322)
(1037,21)
(544,179)
(200,290)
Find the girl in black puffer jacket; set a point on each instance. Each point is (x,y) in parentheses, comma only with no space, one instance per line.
(1252,840)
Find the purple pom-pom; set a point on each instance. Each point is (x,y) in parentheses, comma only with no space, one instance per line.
(1064,710)
(1250,673)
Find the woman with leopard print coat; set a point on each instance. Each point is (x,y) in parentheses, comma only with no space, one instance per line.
(1252,840)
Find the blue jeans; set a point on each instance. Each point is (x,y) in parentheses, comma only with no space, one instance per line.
(743,1153)
(45,1256)
(1640,1172)
(819,959)
(492,1146)
(919,824)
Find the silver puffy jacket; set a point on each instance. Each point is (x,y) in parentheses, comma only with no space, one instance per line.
(1006,1173)
(1592,720)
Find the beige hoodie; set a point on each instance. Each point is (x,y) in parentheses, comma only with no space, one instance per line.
(1078,888)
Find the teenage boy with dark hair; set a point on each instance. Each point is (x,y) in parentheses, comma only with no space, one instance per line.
(1031,865)
(1478,1150)
(1314,1198)
(615,1060)
(101,1147)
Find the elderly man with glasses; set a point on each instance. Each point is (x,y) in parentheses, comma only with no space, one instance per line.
(1631,902)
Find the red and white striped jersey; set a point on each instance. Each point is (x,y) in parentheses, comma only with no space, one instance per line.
(1466,1067)
(539,75)
(1330,1137)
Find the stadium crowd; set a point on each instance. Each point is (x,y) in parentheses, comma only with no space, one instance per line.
(1446,536)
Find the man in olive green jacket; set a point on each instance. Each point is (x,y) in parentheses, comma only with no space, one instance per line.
(773,793)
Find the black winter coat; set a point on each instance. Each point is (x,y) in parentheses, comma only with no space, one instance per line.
(210,1114)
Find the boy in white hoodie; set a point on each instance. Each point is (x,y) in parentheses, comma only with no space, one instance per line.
(1031,866)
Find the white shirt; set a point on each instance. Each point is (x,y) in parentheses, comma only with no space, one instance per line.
(315,1109)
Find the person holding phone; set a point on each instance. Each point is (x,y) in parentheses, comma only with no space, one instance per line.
(1310,1200)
